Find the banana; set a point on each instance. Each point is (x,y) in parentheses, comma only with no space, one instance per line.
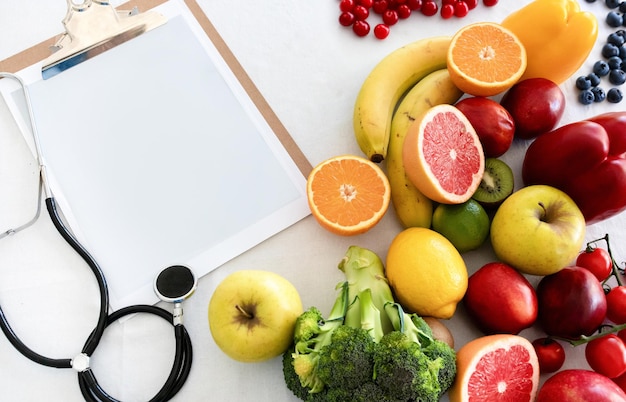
(385,85)
(412,207)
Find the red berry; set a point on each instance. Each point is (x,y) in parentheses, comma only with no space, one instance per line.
(460,9)
(447,11)
(346,5)
(381,31)
(490,3)
(390,17)
(404,11)
(361,13)
(414,4)
(366,3)
(471,4)
(429,8)
(346,18)
(361,28)
(380,6)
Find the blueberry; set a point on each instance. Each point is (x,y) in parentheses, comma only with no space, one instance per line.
(617,77)
(601,68)
(615,62)
(614,19)
(621,32)
(622,7)
(614,95)
(610,50)
(598,94)
(622,52)
(594,79)
(583,82)
(612,3)
(586,97)
(616,39)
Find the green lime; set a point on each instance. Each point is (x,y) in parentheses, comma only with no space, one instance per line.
(466,225)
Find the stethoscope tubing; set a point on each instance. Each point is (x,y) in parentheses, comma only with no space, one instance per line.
(91,390)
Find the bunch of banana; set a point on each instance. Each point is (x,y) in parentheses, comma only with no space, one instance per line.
(412,207)
(386,84)
(417,74)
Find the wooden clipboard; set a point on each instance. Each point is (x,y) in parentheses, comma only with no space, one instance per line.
(41,51)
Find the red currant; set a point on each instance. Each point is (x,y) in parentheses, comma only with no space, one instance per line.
(390,17)
(346,18)
(361,13)
(471,4)
(361,28)
(490,3)
(346,5)
(460,9)
(429,8)
(447,11)
(380,6)
(414,4)
(381,31)
(404,11)
(366,3)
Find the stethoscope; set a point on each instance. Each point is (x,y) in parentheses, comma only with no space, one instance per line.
(174,284)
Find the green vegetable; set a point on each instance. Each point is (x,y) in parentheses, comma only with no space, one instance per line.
(367,348)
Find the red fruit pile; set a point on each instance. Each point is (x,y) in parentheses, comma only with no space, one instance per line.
(354,13)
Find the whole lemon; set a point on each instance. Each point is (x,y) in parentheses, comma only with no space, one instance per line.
(426,272)
(466,225)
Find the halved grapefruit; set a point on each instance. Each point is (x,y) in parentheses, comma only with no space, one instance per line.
(496,368)
(443,156)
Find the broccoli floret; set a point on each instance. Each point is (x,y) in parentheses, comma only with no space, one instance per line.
(403,371)
(292,380)
(368,348)
(442,355)
(348,361)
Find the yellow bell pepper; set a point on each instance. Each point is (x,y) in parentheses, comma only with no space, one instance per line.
(557,35)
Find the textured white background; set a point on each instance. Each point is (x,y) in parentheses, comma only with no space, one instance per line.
(309,69)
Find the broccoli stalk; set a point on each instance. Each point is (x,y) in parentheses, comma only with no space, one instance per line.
(368,348)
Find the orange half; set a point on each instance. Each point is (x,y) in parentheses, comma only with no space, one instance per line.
(348,194)
(485,59)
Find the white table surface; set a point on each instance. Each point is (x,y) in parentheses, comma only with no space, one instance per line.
(309,69)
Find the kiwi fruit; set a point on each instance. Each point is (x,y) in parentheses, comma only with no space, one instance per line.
(496,184)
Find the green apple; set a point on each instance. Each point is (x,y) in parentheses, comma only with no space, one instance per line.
(252,314)
(539,230)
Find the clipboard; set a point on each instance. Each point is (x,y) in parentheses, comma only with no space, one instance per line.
(130,283)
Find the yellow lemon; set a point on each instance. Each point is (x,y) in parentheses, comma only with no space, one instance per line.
(426,272)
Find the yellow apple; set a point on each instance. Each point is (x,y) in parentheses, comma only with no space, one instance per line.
(538,229)
(252,314)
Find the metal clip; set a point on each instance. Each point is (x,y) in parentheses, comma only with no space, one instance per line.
(93,27)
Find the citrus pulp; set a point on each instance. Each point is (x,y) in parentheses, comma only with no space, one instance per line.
(348,194)
(443,156)
(485,59)
(500,367)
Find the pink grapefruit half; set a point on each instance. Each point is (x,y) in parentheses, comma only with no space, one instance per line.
(443,156)
(496,368)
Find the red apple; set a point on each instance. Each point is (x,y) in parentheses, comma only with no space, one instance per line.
(493,124)
(500,299)
(583,385)
(536,105)
(571,303)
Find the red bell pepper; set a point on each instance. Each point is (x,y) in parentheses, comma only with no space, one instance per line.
(585,159)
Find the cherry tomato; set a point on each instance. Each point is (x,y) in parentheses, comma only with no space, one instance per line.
(550,353)
(596,260)
(616,305)
(607,355)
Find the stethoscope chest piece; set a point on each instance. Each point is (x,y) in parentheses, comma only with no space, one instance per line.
(175,284)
